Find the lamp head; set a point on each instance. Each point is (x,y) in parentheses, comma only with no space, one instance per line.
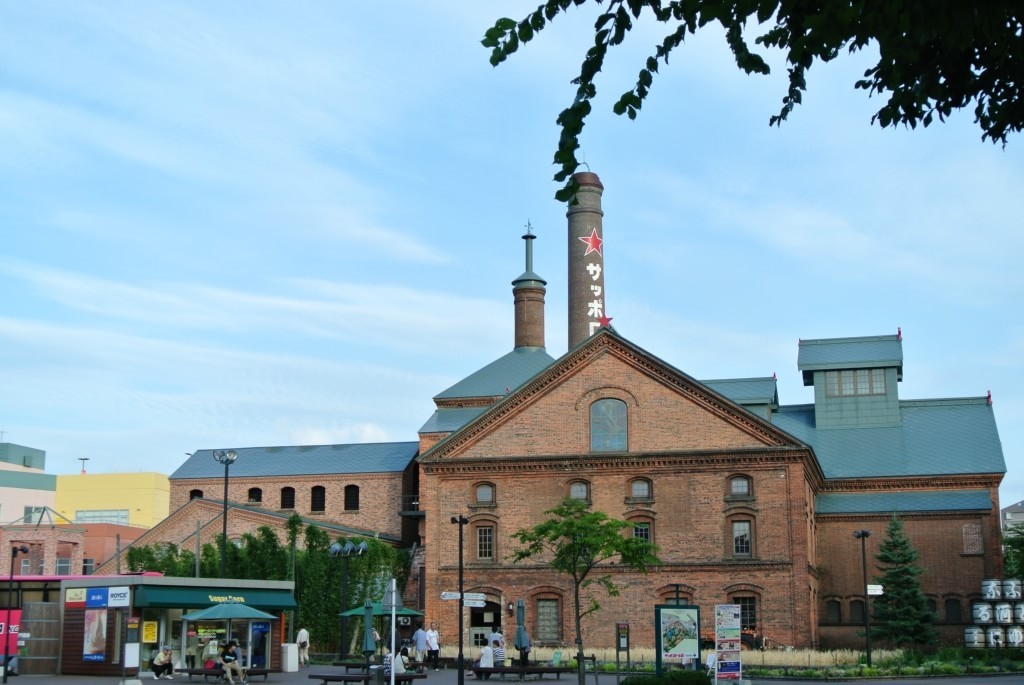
(861,534)
(225,456)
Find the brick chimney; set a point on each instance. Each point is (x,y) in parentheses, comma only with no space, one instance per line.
(528,293)
(586,259)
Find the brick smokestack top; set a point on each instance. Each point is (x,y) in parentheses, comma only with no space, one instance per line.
(528,293)
(586,259)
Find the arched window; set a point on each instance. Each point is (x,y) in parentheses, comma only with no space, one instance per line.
(833,611)
(351,498)
(255,495)
(608,426)
(748,610)
(857,611)
(579,489)
(484,493)
(740,487)
(287,498)
(317,498)
(741,536)
(485,541)
(640,490)
(952,607)
(642,527)
(195,494)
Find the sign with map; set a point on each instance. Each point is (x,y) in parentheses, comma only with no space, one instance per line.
(678,633)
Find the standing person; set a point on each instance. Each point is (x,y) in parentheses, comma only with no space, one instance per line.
(229,662)
(303,641)
(419,644)
(162,664)
(193,650)
(434,645)
(496,635)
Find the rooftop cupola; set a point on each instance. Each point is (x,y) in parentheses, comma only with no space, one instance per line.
(528,293)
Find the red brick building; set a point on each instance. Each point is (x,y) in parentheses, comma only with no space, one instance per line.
(751,502)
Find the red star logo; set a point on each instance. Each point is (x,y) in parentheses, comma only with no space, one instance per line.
(593,242)
(605,321)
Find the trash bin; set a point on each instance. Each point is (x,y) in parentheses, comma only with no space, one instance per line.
(289,657)
(377,674)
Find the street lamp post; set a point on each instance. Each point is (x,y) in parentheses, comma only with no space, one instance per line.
(226,457)
(345,551)
(863,535)
(460,521)
(10,600)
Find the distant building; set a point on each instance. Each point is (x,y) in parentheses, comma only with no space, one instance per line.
(1012,516)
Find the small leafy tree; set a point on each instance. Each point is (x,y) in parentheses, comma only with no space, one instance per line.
(577,541)
(901,614)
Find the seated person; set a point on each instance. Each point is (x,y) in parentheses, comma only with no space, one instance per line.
(12,665)
(229,661)
(163,666)
(485,660)
(402,662)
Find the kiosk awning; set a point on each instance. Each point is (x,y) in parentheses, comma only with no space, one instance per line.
(189,597)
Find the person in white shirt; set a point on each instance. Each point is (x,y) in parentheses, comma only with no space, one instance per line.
(433,646)
(303,641)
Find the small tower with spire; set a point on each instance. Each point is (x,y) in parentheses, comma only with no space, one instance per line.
(528,293)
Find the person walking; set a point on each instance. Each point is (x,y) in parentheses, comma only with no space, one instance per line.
(434,645)
(303,641)
(419,644)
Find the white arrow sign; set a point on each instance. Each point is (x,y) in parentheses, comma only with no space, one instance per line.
(474,603)
(474,595)
(874,589)
(449,595)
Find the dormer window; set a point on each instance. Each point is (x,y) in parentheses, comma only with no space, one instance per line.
(855,382)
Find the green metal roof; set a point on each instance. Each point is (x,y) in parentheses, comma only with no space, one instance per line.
(872,352)
(28,481)
(501,376)
(447,420)
(378,457)
(746,391)
(937,437)
(903,502)
(190,597)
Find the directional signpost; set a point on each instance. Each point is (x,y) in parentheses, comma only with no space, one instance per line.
(449,595)
(875,590)
(474,603)
(479,596)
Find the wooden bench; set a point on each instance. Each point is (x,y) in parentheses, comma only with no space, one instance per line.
(218,673)
(523,671)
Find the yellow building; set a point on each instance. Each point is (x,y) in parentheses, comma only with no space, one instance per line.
(139,500)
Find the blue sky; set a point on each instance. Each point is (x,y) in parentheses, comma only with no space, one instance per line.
(238,224)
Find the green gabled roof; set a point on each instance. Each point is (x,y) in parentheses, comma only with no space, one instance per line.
(446,420)
(903,502)
(872,352)
(304,460)
(746,391)
(937,437)
(501,376)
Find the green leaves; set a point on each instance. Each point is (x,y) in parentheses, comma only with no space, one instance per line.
(934,57)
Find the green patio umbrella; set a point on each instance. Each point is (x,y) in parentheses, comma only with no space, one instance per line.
(379,610)
(226,611)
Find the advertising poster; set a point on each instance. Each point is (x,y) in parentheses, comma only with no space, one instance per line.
(728,624)
(11,636)
(95,642)
(678,633)
(149,632)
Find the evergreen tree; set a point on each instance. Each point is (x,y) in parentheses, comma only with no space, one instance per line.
(901,615)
